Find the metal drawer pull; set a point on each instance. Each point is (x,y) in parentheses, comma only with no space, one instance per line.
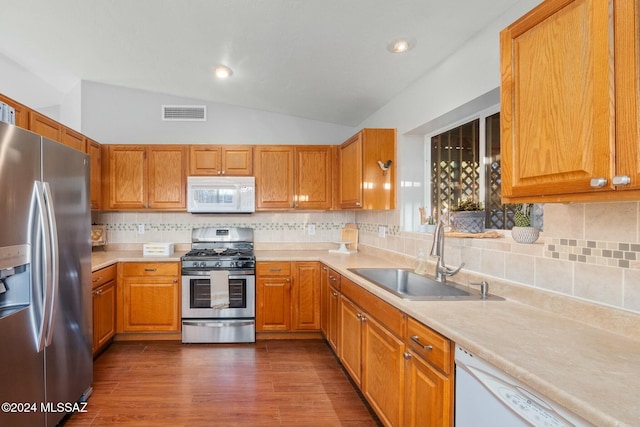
(275,270)
(598,182)
(416,339)
(621,180)
(151,270)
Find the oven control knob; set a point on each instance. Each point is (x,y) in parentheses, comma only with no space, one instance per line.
(232,264)
(203,264)
(195,263)
(218,264)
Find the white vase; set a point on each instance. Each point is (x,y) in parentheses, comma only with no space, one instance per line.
(525,234)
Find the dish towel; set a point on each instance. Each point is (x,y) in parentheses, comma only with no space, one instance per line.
(219,280)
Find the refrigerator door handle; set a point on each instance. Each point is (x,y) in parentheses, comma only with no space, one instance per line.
(38,193)
(53,261)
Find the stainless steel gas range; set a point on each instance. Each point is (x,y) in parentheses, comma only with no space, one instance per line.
(219,268)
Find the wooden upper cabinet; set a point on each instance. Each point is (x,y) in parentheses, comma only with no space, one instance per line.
(569,118)
(94,150)
(145,177)
(350,180)
(43,125)
(364,184)
(22,111)
(273,166)
(73,139)
(127,177)
(167,178)
(313,177)
(230,160)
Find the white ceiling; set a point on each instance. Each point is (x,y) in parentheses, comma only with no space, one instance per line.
(320,59)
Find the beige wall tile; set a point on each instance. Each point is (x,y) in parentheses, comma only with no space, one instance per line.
(631,294)
(564,220)
(554,275)
(598,283)
(616,222)
(519,268)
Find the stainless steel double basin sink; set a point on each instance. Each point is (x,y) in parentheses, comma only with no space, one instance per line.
(406,284)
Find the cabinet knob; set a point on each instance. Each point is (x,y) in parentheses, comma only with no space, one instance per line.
(359,316)
(287,280)
(358,203)
(406,355)
(621,180)
(335,294)
(598,182)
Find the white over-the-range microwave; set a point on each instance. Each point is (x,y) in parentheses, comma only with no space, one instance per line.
(221,194)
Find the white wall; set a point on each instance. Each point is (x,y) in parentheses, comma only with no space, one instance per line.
(118,115)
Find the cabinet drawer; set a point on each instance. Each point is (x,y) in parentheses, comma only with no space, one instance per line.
(273,268)
(104,275)
(334,279)
(430,345)
(150,269)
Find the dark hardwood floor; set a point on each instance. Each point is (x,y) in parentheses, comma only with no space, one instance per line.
(270,383)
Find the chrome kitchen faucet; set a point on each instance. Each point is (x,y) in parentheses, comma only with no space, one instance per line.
(437,250)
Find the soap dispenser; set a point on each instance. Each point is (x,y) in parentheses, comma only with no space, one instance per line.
(421,267)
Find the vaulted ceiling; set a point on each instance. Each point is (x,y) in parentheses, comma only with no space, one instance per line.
(325,60)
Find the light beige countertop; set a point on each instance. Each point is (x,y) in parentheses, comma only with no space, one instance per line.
(590,371)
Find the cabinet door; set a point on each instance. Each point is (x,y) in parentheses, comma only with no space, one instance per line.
(350,181)
(204,160)
(104,314)
(43,125)
(383,372)
(556,109)
(627,66)
(151,304)
(167,177)
(333,327)
(428,395)
(127,175)
(22,111)
(237,160)
(95,157)
(73,139)
(273,166)
(324,301)
(305,296)
(350,342)
(313,177)
(273,296)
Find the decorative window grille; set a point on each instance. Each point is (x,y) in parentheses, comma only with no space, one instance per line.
(456,170)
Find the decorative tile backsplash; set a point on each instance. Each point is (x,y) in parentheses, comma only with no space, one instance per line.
(613,254)
(587,251)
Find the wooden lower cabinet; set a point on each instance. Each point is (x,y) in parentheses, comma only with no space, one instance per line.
(330,306)
(350,341)
(104,306)
(149,297)
(273,296)
(383,371)
(305,296)
(287,296)
(428,394)
(403,368)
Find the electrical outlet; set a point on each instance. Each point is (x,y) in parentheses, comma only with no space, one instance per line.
(311,229)
(382,231)
(140,228)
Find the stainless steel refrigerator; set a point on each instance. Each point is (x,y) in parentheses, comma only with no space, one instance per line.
(46,362)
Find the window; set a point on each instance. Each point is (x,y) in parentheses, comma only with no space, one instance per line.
(465,162)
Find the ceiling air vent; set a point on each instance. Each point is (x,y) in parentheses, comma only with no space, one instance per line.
(184,113)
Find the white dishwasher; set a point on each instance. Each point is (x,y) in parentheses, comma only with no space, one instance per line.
(488,397)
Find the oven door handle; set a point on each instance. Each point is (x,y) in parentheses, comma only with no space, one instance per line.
(218,324)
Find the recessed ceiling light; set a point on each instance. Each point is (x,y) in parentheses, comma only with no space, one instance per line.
(222,71)
(401,45)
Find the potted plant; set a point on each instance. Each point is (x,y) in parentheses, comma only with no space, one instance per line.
(468,216)
(523,232)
